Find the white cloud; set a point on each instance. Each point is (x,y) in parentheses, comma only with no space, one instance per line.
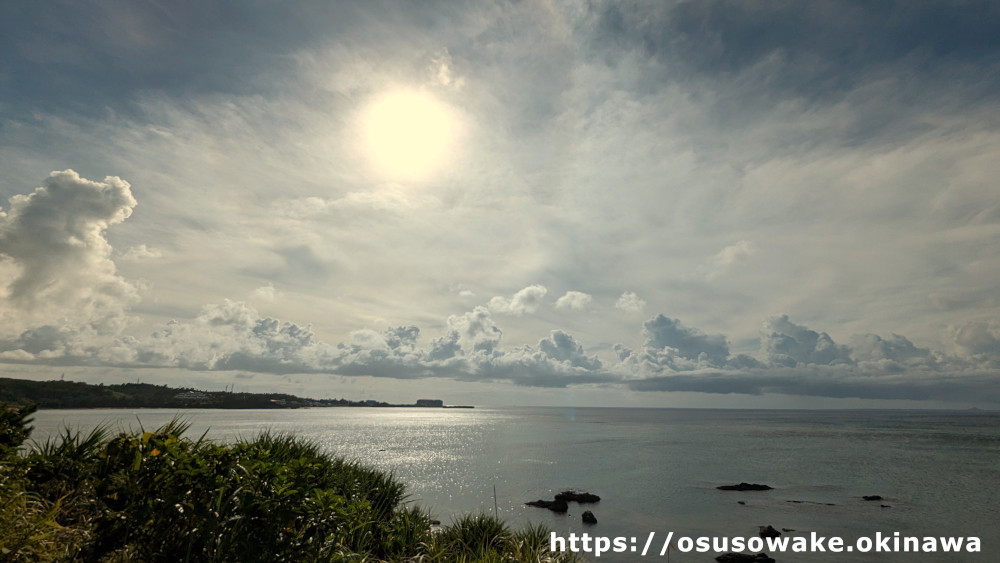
(442,69)
(979,340)
(525,301)
(630,302)
(727,259)
(55,261)
(265,293)
(577,300)
(475,331)
(140,253)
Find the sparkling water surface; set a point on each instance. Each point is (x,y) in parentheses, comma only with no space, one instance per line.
(656,469)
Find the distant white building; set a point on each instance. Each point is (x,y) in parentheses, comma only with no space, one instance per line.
(191,396)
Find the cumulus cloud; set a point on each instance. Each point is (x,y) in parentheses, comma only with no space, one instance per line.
(980,340)
(630,302)
(55,261)
(474,331)
(557,361)
(576,300)
(662,332)
(785,343)
(233,336)
(894,353)
(525,301)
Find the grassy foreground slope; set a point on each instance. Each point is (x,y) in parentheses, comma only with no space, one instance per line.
(160,496)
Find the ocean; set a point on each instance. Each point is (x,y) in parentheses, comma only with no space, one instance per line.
(656,470)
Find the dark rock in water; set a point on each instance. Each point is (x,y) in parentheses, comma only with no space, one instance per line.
(553,505)
(589,518)
(886,506)
(872,497)
(558,506)
(769,532)
(744,487)
(740,502)
(744,558)
(570,496)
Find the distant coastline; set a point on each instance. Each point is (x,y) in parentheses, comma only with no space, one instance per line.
(61,394)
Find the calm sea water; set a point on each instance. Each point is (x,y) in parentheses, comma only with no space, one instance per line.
(657,469)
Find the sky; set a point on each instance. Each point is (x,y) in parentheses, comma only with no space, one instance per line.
(584,203)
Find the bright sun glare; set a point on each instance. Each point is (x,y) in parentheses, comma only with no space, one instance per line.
(408,134)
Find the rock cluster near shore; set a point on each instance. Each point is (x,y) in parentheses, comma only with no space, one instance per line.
(572,496)
(553,505)
(559,503)
(745,487)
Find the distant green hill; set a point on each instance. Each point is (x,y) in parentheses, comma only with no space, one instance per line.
(76,395)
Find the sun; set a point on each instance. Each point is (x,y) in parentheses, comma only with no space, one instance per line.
(408,134)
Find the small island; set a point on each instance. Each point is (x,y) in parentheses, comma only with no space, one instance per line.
(77,395)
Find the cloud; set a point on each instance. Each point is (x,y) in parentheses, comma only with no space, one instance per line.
(576,300)
(834,382)
(474,331)
(727,259)
(442,69)
(525,301)
(785,343)
(894,354)
(140,253)
(557,361)
(233,336)
(665,333)
(265,293)
(630,302)
(55,261)
(562,347)
(979,340)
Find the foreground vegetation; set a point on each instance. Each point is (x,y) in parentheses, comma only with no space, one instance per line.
(161,496)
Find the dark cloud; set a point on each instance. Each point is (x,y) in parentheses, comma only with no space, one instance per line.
(882,68)
(787,344)
(692,344)
(831,382)
(562,347)
(810,49)
(88,56)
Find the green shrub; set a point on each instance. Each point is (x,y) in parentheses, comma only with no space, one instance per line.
(14,429)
